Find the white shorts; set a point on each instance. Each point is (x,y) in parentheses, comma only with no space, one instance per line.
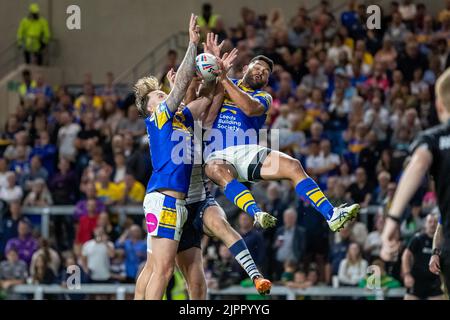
(165,216)
(246,159)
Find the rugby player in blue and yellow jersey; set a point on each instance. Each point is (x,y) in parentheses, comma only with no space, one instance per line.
(170,129)
(233,154)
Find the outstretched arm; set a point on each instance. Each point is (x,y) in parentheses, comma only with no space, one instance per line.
(409,183)
(186,70)
(249,105)
(213,110)
(210,98)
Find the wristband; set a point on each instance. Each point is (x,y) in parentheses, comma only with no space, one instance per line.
(436,251)
(396,219)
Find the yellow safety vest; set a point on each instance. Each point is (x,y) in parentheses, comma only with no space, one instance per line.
(211,24)
(32,33)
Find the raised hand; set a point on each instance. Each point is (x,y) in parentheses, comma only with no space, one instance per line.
(171,77)
(194,30)
(211,46)
(226,63)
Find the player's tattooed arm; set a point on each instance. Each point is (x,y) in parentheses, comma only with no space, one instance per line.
(186,70)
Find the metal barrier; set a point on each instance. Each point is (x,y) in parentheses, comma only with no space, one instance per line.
(123,211)
(46,212)
(120,291)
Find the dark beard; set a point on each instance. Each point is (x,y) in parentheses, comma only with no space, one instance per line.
(252,84)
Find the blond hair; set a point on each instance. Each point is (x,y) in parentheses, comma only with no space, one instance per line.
(141,90)
(443,89)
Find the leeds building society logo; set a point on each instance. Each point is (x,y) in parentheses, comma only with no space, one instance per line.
(373,17)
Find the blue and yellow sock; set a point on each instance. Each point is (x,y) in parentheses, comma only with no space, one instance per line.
(308,189)
(240,252)
(237,193)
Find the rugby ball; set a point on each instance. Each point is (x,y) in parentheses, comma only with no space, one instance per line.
(206,65)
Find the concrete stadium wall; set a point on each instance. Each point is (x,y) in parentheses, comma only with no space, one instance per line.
(115,34)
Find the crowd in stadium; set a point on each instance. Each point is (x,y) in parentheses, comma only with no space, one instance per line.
(347,102)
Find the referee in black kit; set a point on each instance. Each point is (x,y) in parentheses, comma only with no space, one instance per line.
(430,151)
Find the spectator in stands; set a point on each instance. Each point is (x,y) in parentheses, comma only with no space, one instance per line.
(104,221)
(132,124)
(87,223)
(290,240)
(90,194)
(315,78)
(49,254)
(120,168)
(13,271)
(67,135)
(43,89)
(135,250)
(11,192)
(109,192)
(3,173)
(300,281)
(377,118)
(9,224)
(134,191)
(111,115)
(87,138)
(20,141)
(358,231)
(96,255)
(20,165)
(372,246)
(109,91)
(62,183)
(88,100)
(360,190)
(289,268)
(407,11)
(411,57)
(26,85)
(118,267)
(387,55)
(312,278)
(46,151)
(381,191)
(338,252)
(353,268)
(224,274)
(33,35)
(25,244)
(42,273)
(39,196)
(36,172)
(396,31)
